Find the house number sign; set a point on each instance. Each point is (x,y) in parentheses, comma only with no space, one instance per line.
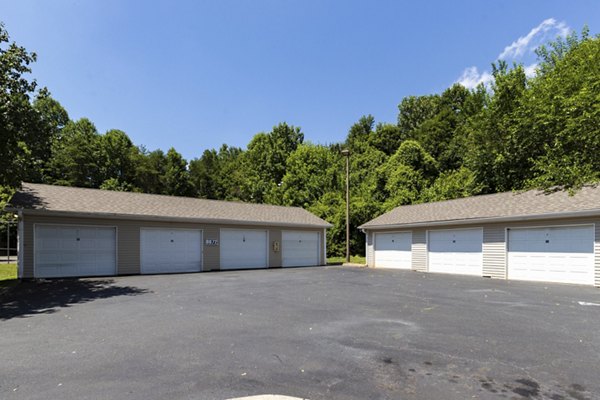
(211,242)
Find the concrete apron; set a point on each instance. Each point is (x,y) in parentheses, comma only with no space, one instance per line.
(267,397)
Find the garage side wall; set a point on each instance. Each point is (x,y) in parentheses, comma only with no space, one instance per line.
(597,253)
(128,240)
(370,249)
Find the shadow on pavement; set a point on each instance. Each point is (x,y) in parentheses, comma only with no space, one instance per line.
(45,297)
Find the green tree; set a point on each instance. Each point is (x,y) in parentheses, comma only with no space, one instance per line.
(204,174)
(265,161)
(17,116)
(413,111)
(387,138)
(497,154)
(77,158)
(360,132)
(451,185)
(176,178)
(312,171)
(118,155)
(150,168)
(405,175)
(50,119)
(563,115)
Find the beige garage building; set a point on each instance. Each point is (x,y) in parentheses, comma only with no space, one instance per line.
(533,236)
(69,232)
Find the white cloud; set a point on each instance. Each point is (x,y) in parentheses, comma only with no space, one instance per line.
(530,70)
(549,28)
(518,51)
(471,77)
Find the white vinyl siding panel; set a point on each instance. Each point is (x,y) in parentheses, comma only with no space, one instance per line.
(170,250)
(71,250)
(243,249)
(419,250)
(494,251)
(300,249)
(552,254)
(456,251)
(393,250)
(370,249)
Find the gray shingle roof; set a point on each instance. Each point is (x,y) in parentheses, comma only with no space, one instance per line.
(507,206)
(62,199)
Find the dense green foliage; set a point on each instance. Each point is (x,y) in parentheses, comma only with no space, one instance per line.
(518,133)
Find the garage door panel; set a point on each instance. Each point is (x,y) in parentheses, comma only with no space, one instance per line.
(393,250)
(243,249)
(456,251)
(64,251)
(171,250)
(554,254)
(300,249)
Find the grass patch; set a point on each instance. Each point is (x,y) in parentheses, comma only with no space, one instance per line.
(341,260)
(8,272)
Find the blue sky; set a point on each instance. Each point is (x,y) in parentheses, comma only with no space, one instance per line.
(196,74)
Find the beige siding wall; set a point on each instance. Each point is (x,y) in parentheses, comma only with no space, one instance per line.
(419,250)
(128,240)
(275,256)
(494,251)
(211,254)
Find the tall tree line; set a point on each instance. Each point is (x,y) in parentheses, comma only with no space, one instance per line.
(518,133)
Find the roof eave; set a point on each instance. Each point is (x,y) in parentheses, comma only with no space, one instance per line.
(471,221)
(29,211)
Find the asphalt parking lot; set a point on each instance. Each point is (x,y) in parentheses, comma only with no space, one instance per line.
(317,333)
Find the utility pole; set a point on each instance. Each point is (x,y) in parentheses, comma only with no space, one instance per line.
(346,153)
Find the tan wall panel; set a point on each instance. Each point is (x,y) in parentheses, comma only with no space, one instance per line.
(275,256)
(128,240)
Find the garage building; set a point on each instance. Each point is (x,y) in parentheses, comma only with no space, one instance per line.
(71,232)
(533,236)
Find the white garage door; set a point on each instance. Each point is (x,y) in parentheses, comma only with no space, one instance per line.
(170,250)
(299,249)
(243,249)
(559,254)
(456,251)
(393,250)
(69,250)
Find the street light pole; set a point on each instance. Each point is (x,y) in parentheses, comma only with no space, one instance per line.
(346,153)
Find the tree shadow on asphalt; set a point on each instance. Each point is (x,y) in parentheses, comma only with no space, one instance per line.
(24,299)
